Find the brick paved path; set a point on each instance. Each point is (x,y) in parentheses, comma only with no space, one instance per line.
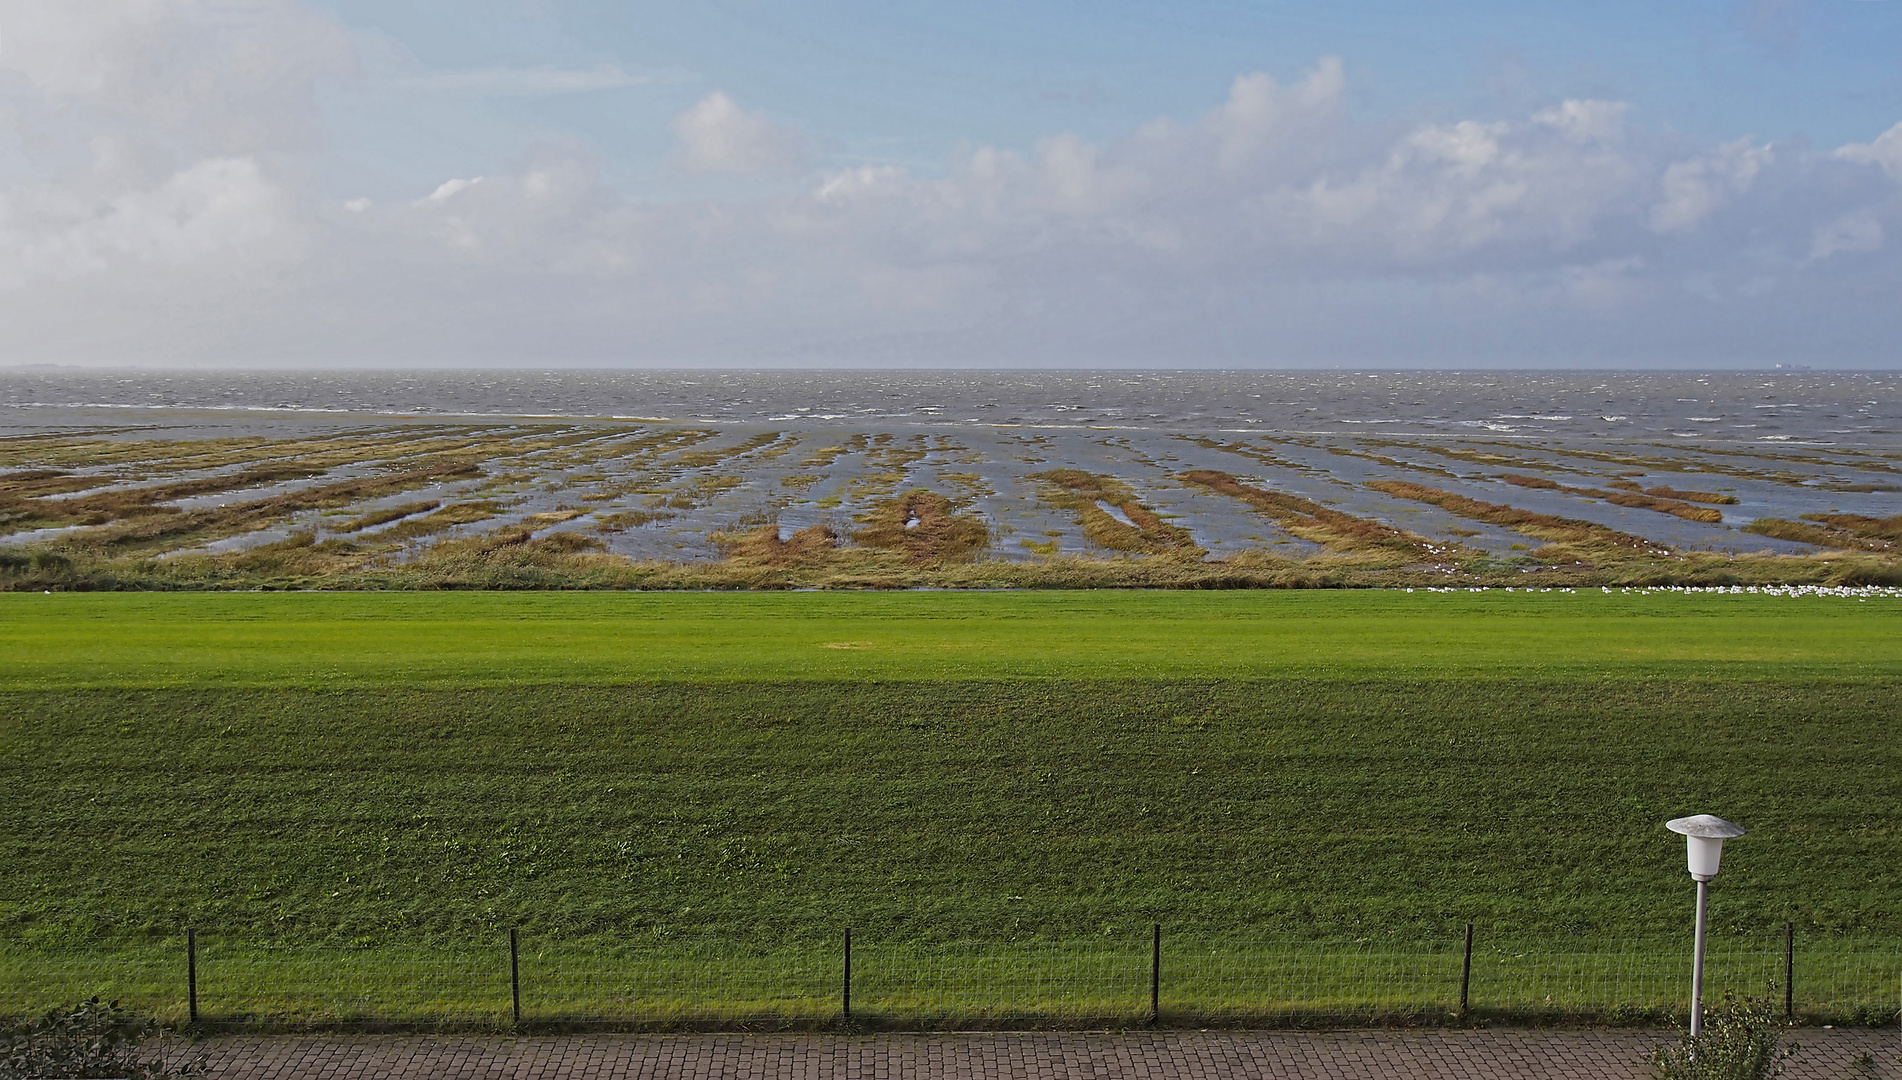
(1421,1055)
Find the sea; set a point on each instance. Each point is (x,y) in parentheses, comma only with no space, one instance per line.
(1862,409)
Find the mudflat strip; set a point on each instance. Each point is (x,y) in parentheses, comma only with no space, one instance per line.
(848,498)
(1590,1054)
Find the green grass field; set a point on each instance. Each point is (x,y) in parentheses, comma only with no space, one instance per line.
(383,641)
(757,772)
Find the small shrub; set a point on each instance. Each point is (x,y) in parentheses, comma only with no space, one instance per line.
(90,1039)
(1742,1039)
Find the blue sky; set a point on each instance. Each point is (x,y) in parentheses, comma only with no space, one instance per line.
(428,182)
(911,84)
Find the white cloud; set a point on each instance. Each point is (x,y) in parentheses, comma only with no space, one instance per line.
(1275,225)
(841,187)
(226,74)
(176,104)
(1859,231)
(219,207)
(1586,121)
(1445,191)
(73,51)
(1258,110)
(1885,150)
(448,190)
(717,136)
(1693,189)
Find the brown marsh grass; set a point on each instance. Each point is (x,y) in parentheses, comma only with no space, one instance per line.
(1079,492)
(465,513)
(1688,496)
(515,559)
(387,515)
(1338,532)
(1559,530)
(925,527)
(1889,528)
(1833,533)
(630,519)
(763,547)
(171,525)
(1624,498)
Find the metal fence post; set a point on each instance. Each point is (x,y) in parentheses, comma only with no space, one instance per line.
(1466,970)
(1155,975)
(515,975)
(191,973)
(845,997)
(1789,971)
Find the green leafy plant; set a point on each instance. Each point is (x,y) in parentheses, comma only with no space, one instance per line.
(89,1039)
(1742,1039)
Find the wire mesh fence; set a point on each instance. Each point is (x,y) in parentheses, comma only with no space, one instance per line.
(976,983)
(693,984)
(1182,980)
(1242,981)
(151,980)
(293,986)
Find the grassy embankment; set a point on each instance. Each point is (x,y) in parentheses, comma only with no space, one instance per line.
(413,774)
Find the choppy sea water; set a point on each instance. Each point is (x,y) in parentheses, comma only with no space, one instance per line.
(1782,444)
(1861,409)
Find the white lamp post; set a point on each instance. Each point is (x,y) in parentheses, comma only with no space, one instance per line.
(1704,836)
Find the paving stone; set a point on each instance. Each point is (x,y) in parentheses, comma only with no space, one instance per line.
(1586,1054)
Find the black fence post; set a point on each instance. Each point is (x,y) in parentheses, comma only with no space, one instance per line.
(1466,970)
(1155,975)
(515,975)
(1789,971)
(191,973)
(845,997)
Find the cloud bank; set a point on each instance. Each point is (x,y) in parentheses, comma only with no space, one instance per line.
(153,210)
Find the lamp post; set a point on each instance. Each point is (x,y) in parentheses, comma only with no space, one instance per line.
(1704,836)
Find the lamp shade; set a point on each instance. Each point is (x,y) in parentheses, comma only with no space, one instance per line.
(1704,836)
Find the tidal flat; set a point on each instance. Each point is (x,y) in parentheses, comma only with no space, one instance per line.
(1424,487)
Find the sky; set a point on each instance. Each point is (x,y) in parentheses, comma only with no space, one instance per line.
(1199,183)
